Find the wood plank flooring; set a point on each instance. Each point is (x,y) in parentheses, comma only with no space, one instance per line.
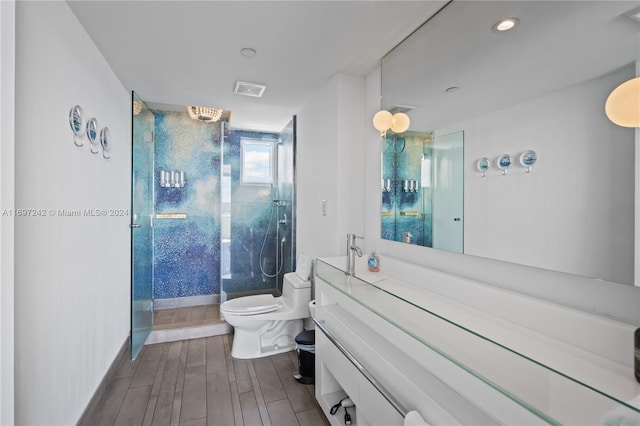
(197,382)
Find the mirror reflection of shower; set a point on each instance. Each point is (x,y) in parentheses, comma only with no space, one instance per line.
(279,220)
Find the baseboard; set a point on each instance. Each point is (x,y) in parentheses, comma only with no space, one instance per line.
(186,333)
(94,403)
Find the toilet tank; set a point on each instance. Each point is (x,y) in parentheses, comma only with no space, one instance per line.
(296,292)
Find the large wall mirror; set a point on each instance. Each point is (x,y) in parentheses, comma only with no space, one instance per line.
(545,179)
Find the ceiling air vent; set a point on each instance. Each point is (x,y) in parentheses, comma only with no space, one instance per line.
(249,89)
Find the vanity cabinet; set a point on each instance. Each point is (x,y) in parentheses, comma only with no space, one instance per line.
(395,347)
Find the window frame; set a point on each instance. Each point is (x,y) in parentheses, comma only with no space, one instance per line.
(257,142)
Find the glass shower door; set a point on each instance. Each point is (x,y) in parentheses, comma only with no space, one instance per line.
(141,225)
(448,195)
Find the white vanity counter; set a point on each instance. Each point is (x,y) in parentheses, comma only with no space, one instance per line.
(496,371)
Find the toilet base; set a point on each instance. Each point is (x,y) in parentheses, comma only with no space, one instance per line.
(273,338)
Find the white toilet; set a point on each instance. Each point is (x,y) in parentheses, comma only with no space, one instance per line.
(266,325)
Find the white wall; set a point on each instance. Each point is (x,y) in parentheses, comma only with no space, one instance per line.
(7,81)
(71,273)
(580,192)
(330,166)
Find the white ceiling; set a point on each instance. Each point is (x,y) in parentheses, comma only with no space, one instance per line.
(557,44)
(188,52)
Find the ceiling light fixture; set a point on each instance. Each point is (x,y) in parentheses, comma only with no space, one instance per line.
(505,24)
(207,115)
(137,107)
(623,104)
(398,123)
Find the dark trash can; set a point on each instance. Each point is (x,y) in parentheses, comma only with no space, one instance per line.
(306,345)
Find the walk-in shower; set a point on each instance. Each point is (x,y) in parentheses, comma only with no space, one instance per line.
(220,235)
(258,218)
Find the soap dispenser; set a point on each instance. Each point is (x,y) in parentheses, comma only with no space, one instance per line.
(373,262)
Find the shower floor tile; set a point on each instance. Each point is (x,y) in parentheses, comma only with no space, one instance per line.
(192,316)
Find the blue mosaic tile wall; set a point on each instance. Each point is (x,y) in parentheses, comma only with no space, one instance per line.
(405,211)
(187,251)
(191,256)
(255,232)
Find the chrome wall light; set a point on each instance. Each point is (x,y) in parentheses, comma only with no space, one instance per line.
(76,121)
(80,128)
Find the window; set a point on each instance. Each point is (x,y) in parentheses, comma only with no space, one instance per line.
(257,161)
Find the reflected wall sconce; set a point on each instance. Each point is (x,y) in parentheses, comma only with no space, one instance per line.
(528,159)
(623,104)
(504,162)
(398,123)
(171,179)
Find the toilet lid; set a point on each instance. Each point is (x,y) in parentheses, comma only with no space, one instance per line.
(251,305)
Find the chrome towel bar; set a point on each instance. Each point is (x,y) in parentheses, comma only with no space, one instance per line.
(376,384)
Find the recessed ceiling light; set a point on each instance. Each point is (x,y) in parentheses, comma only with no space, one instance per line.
(247,52)
(505,24)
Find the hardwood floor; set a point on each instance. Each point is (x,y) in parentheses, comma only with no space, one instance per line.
(196,382)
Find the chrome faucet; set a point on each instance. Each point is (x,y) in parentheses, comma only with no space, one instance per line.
(352,250)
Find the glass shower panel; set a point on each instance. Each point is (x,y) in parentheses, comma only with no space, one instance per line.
(286,185)
(141,225)
(187,227)
(257,212)
(448,194)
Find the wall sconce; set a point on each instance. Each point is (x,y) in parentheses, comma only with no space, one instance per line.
(623,104)
(171,179)
(383,120)
(483,165)
(528,159)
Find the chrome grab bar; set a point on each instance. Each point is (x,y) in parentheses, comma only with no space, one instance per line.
(376,384)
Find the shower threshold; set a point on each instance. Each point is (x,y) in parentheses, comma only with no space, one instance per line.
(192,322)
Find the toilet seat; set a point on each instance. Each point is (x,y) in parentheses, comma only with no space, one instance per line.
(251,305)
